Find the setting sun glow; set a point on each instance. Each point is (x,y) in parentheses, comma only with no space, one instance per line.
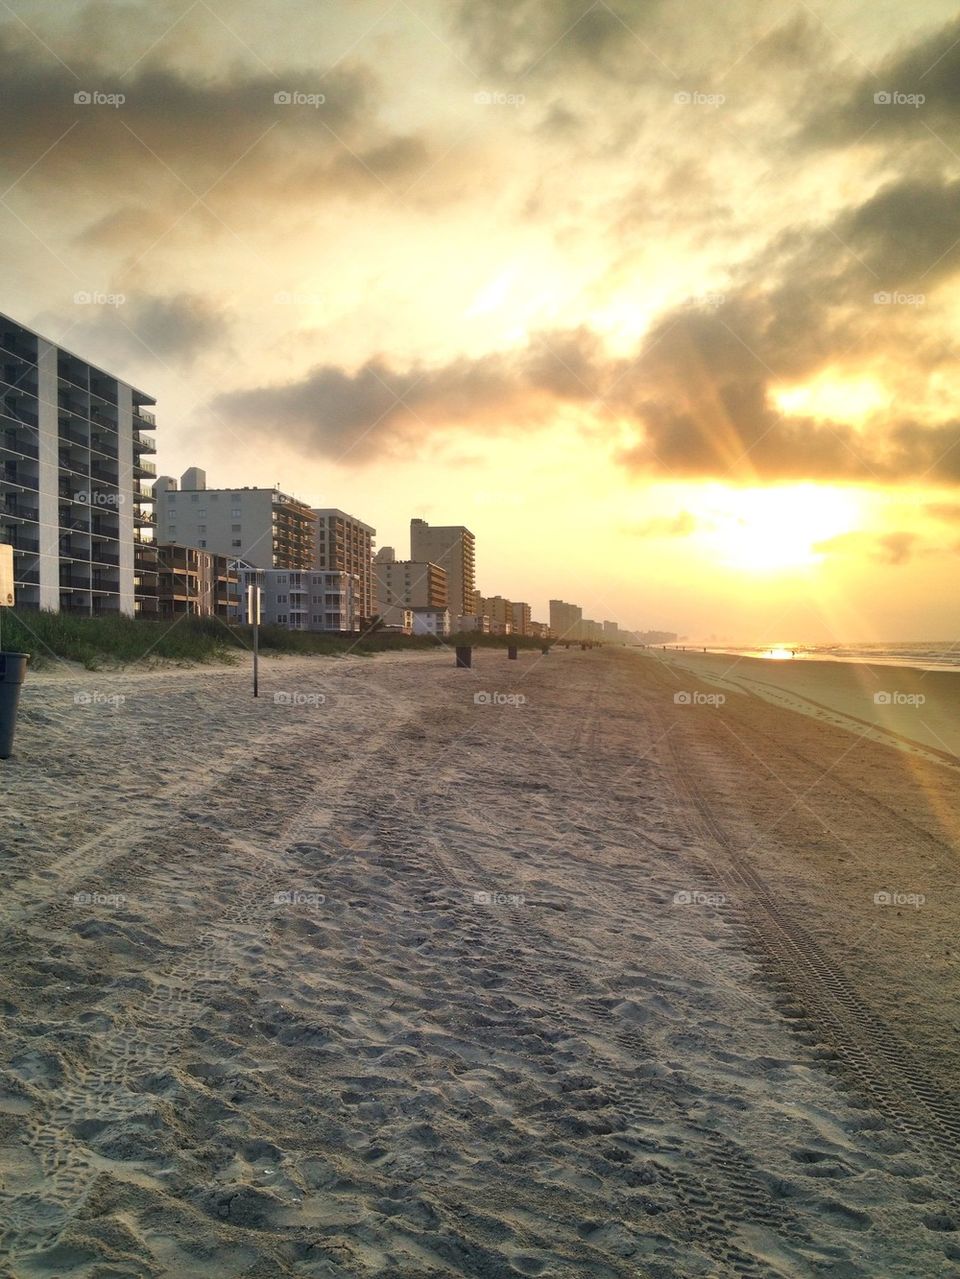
(776,530)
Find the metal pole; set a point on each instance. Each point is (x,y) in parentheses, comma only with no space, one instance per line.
(253,612)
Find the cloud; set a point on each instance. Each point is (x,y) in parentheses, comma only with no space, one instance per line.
(146,329)
(515,38)
(680,525)
(893,548)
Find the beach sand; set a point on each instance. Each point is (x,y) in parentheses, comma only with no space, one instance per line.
(377,980)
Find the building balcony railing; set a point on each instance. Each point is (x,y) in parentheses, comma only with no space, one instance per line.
(74,582)
(29,577)
(27,545)
(143,443)
(142,467)
(104,557)
(14,442)
(145,414)
(21,511)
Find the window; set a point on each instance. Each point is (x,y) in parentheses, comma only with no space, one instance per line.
(236,528)
(194,497)
(236,542)
(281,617)
(281,599)
(202,513)
(201,542)
(201,528)
(281,579)
(235,513)
(172,532)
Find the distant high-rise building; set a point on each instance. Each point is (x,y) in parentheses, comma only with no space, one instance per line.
(344,544)
(500,612)
(521,619)
(72,501)
(453,547)
(261,526)
(565,619)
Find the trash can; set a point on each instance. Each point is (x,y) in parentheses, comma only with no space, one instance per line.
(13,670)
(545,649)
(512,652)
(464,655)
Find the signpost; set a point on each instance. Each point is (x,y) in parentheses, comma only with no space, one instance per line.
(13,666)
(253,614)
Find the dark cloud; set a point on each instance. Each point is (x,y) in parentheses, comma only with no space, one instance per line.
(517,38)
(847,111)
(145,330)
(180,141)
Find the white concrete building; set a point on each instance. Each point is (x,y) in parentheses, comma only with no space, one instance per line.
(72,499)
(263,527)
(303,600)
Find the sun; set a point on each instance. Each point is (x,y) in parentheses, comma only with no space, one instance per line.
(777,529)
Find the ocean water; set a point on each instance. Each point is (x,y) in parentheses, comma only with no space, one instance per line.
(925,655)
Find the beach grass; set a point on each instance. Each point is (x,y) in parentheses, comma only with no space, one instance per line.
(100,641)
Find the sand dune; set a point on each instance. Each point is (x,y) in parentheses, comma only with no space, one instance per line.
(379,981)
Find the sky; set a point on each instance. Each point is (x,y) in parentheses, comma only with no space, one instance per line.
(659,299)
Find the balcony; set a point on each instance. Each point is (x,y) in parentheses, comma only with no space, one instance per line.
(145,443)
(29,577)
(142,467)
(145,414)
(74,582)
(21,511)
(105,557)
(20,542)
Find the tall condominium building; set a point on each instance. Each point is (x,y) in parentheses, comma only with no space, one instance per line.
(500,612)
(197,583)
(315,600)
(344,544)
(565,619)
(522,625)
(453,547)
(263,527)
(72,499)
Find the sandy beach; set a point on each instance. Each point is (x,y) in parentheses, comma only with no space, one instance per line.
(634,965)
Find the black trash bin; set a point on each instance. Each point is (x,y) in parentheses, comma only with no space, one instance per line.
(512,652)
(13,671)
(464,655)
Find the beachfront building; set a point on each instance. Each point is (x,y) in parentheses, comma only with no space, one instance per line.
(431,621)
(500,612)
(611,631)
(263,527)
(344,544)
(196,583)
(521,615)
(453,548)
(408,583)
(313,600)
(72,499)
(590,630)
(565,620)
